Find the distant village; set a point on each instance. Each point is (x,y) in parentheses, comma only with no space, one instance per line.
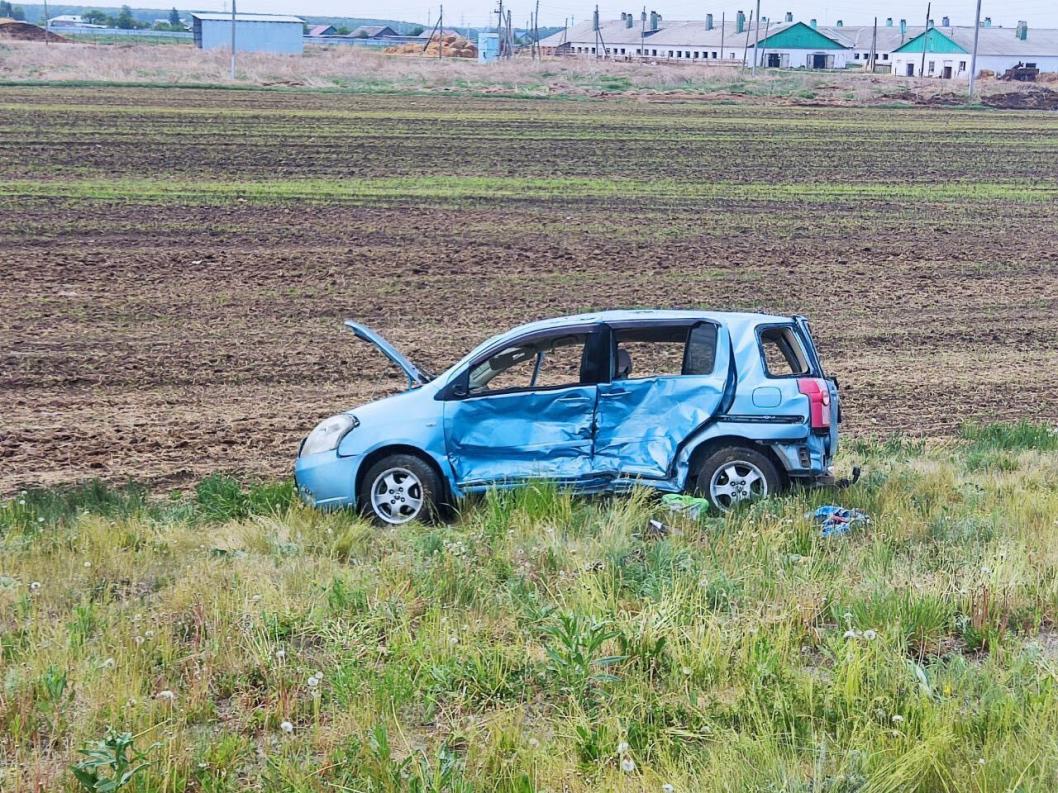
(941,49)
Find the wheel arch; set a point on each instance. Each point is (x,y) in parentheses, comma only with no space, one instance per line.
(702,451)
(382,452)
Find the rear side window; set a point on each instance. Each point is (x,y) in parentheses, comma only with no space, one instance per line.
(784,356)
(664,351)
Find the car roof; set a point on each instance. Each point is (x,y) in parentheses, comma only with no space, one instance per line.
(729,318)
(648,315)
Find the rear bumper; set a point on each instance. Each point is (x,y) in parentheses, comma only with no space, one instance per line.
(807,458)
(326,480)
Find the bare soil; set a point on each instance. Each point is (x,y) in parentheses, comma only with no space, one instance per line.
(164,339)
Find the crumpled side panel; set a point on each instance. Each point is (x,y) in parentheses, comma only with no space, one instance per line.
(504,437)
(642,422)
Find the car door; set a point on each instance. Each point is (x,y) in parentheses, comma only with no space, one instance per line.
(526,409)
(676,382)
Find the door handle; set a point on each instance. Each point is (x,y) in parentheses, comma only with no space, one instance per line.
(608,394)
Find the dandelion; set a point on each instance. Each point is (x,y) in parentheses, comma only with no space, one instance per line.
(686,670)
(453,640)
(313,681)
(108,663)
(850,634)
(148,634)
(628,765)
(34,586)
(40,519)
(138,640)
(622,747)
(870,635)
(848,617)
(667,788)
(87,564)
(281,654)
(897,718)
(22,502)
(534,743)
(166,695)
(286,727)
(255,598)
(980,761)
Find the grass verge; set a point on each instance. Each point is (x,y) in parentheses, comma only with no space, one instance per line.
(231,639)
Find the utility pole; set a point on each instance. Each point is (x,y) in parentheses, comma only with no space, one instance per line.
(499,24)
(233,39)
(756,38)
(874,47)
(764,49)
(510,37)
(595,26)
(723,32)
(47,23)
(536,32)
(441,33)
(973,57)
(745,47)
(922,67)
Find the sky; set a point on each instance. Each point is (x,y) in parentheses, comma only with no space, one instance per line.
(1039,13)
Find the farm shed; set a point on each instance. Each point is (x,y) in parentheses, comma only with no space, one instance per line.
(317,31)
(253,32)
(948,51)
(797,45)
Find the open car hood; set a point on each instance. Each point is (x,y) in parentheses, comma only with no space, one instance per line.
(416,376)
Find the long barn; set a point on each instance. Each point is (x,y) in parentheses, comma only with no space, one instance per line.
(788,44)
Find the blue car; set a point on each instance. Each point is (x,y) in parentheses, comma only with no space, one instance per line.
(731,406)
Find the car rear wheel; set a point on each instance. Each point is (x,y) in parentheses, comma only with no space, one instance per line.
(398,489)
(736,475)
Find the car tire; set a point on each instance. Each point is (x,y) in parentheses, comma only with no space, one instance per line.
(735,475)
(398,489)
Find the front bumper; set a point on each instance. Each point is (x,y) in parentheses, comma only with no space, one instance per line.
(326,480)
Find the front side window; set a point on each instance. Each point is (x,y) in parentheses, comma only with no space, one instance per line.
(554,362)
(665,351)
(784,356)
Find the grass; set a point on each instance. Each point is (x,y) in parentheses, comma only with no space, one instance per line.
(232,639)
(457,189)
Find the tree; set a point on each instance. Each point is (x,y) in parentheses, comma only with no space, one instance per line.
(93,17)
(125,20)
(174,18)
(343,30)
(415,30)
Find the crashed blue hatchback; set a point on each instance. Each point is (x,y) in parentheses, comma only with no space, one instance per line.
(730,406)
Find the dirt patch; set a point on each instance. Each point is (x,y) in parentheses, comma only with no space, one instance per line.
(1032,98)
(14,30)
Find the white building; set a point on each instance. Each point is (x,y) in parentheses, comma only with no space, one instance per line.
(798,45)
(946,52)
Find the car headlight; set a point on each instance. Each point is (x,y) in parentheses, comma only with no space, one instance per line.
(328,434)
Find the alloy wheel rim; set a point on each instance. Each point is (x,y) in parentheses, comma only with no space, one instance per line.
(397,496)
(737,482)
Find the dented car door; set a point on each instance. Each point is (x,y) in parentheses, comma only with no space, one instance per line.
(526,410)
(645,414)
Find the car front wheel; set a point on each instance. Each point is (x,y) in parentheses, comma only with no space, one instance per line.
(398,489)
(735,475)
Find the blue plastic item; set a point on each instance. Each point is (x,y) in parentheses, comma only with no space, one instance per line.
(833,519)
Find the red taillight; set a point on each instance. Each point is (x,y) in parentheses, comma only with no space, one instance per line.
(815,388)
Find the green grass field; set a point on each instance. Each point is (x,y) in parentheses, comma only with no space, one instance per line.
(541,642)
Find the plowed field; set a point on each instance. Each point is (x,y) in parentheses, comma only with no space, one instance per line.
(176,263)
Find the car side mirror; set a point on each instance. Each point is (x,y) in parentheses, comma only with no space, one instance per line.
(458,391)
